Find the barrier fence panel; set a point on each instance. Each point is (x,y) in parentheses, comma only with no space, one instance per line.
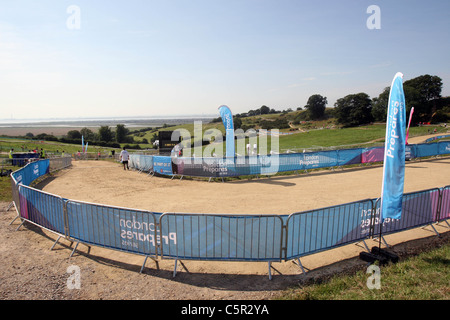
(370,155)
(418,209)
(222,237)
(141,162)
(271,164)
(41,208)
(15,193)
(113,227)
(444,147)
(317,230)
(60,163)
(349,156)
(444,212)
(31,172)
(427,150)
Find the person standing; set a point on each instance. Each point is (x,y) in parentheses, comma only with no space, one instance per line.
(124,155)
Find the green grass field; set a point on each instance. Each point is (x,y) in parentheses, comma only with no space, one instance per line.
(423,277)
(314,139)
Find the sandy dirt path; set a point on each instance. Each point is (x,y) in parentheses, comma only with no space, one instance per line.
(107,183)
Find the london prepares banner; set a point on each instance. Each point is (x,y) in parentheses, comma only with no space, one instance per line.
(394,152)
(227,119)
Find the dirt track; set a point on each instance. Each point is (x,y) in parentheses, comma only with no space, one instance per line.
(29,270)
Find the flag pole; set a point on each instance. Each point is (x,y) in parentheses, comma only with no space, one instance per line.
(394,156)
(409,123)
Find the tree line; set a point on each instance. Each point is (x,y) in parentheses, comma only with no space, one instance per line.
(423,93)
(105,137)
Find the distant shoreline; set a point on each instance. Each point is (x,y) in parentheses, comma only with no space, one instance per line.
(60,127)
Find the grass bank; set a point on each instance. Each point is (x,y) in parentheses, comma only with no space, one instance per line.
(422,277)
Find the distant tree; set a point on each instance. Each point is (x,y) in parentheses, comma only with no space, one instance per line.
(429,87)
(237,122)
(74,134)
(264,110)
(379,105)
(105,134)
(47,137)
(121,133)
(87,134)
(423,93)
(316,106)
(354,110)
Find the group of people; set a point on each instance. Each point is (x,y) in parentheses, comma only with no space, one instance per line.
(41,152)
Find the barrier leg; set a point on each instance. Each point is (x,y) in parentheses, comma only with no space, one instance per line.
(23,221)
(175,268)
(75,248)
(55,243)
(270,270)
(365,245)
(10,206)
(437,233)
(300,265)
(385,243)
(14,219)
(143,265)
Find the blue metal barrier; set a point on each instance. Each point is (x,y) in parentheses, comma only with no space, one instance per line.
(272,164)
(220,237)
(117,228)
(322,229)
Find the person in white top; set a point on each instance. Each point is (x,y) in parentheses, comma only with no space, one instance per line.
(124,155)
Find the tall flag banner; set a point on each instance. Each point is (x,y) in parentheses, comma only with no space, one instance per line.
(394,153)
(227,119)
(409,123)
(82,144)
(85,149)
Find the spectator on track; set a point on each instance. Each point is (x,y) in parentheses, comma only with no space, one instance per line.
(124,155)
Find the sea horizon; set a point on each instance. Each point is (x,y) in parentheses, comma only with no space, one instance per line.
(129,121)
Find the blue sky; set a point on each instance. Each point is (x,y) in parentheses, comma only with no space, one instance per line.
(179,57)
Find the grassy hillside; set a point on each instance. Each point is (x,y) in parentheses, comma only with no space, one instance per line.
(299,135)
(309,135)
